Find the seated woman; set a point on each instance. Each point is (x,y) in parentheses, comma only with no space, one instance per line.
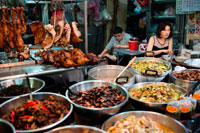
(161,43)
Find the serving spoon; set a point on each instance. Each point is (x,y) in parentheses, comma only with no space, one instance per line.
(130,62)
(29,87)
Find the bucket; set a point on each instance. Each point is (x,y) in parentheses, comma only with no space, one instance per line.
(133,45)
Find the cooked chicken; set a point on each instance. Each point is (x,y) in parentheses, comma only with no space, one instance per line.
(38,31)
(50,36)
(80,60)
(79,57)
(92,58)
(77,51)
(59,30)
(65,39)
(75,33)
(22,20)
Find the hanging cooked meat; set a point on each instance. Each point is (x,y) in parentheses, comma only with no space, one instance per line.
(65,39)
(50,36)
(10,29)
(19,25)
(12,12)
(59,30)
(75,33)
(2,42)
(38,31)
(22,20)
(5,27)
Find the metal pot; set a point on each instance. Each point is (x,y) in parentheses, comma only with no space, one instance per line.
(139,77)
(94,114)
(110,72)
(6,127)
(7,106)
(183,83)
(160,107)
(36,83)
(171,123)
(77,129)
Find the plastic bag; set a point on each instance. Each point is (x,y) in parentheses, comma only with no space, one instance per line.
(105,14)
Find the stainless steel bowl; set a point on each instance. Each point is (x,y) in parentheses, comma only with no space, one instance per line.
(139,77)
(36,83)
(183,83)
(160,107)
(6,127)
(7,106)
(77,129)
(173,124)
(109,73)
(96,114)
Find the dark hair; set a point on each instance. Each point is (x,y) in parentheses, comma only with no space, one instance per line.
(162,26)
(117,30)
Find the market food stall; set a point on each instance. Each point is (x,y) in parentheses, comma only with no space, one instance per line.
(150,94)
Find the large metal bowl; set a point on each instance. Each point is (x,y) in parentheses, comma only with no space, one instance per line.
(7,106)
(139,77)
(77,129)
(160,107)
(6,127)
(96,114)
(36,83)
(183,83)
(110,72)
(173,124)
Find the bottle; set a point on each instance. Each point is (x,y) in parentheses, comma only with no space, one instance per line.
(194,103)
(186,109)
(173,109)
(196,96)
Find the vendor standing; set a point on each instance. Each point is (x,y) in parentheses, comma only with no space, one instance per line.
(120,39)
(161,43)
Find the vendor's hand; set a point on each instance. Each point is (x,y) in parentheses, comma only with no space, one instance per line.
(117,46)
(170,52)
(100,56)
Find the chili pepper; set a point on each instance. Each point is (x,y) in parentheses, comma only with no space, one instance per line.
(34,106)
(12,118)
(37,101)
(67,111)
(44,108)
(13,113)
(27,126)
(29,104)
(24,117)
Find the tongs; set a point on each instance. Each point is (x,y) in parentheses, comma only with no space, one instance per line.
(130,62)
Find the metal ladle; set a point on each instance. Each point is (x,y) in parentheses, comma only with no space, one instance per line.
(130,62)
(29,87)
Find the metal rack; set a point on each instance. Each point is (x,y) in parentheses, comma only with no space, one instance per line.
(85,16)
(151,18)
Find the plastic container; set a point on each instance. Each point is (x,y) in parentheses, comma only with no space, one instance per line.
(186,109)
(196,96)
(133,44)
(173,109)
